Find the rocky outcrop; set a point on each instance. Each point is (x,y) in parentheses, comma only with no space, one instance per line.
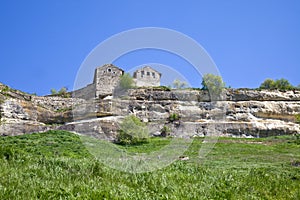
(227,95)
(241,113)
(23,113)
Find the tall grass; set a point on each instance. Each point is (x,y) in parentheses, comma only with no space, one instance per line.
(55,165)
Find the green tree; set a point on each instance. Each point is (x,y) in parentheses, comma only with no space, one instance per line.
(283,84)
(126,81)
(53,91)
(213,83)
(177,84)
(268,84)
(63,91)
(132,131)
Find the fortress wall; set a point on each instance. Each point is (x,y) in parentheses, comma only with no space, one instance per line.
(87,92)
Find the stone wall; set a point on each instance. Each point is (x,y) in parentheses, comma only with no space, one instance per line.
(88,92)
(146,77)
(55,103)
(106,79)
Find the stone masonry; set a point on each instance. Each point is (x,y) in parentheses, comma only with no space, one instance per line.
(107,77)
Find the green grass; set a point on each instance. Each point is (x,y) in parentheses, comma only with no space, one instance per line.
(55,165)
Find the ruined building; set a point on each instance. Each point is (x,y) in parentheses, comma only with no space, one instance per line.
(146,76)
(107,77)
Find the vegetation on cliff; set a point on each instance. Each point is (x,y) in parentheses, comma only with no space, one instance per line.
(132,131)
(280,84)
(126,81)
(214,84)
(63,92)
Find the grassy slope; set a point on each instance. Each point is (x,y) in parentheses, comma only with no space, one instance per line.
(55,165)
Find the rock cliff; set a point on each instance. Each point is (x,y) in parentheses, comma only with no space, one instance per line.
(240,112)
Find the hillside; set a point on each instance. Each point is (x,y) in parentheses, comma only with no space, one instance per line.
(240,112)
(55,165)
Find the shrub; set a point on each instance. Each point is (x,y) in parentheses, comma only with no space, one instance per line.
(132,131)
(161,88)
(177,84)
(297,140)
(174,117)
(63,92)
(213,83)
(281,84)
(53,91)
(165,131)
(126,81)
(297,118)
(268,84)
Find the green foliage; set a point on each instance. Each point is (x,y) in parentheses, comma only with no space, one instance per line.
(55,165)
(50,144)
(268,84)
(5,91)
(162,88)
(213,83)
(53,91)
(297,140)
(281,84)
(177,84)
(174,117)
(63,92)
(132,131)
(297,118)
(126,81)
(165,131)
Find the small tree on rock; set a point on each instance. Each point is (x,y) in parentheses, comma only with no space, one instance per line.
(213,83)
(177,84)
(53,91)
(132,131)
(268,84)
(281,84)
(126,81)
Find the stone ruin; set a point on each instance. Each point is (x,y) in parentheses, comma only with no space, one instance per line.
(146,76)
(107,77)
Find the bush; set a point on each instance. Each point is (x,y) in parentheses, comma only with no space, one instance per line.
(126,81)
(177,84)
(297,118)
(161,88)
(165,131)
(63,92)
(280,84)
(213,83)
(268,84)
(132,131)
(174,117)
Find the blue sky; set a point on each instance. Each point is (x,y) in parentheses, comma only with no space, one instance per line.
(43,43)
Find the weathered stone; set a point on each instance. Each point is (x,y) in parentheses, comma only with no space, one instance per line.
(240,113)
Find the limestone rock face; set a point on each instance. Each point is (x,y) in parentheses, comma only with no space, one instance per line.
(240,113)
